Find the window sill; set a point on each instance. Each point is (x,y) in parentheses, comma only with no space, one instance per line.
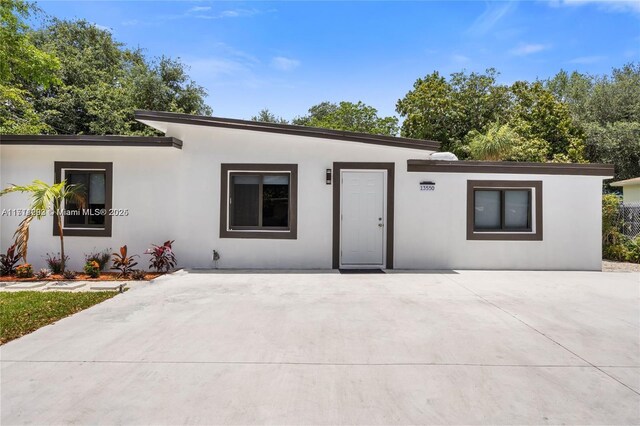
(504,236)
(83,232)
(265,235)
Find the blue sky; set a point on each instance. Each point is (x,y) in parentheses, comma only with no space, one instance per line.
(287,56)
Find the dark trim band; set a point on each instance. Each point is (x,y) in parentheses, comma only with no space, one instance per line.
(503,235)
(79,165)
(91,140)
(435,166)
(314,132)
(291,233)
(337,168)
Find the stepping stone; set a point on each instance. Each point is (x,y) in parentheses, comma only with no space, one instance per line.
(68,285)
(27,285)
(108,285)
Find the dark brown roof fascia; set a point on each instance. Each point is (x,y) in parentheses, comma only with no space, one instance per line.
(91,140)
(314,132)
(436,166)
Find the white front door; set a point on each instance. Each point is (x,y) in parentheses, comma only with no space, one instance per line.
(362,227)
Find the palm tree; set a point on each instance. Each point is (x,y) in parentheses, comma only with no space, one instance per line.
(44,198)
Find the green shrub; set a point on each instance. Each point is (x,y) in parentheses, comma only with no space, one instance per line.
(92,268)
(24,271)
(633,249)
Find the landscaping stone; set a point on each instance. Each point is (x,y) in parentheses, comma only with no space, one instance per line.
(27,285)
(66,285)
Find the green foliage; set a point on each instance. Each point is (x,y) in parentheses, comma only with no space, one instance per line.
(25,311)
(92,268)
(267,116)
(123,262)
(101,257)
(617,143)
(615,245)
(496,144)
(21,61)
(447,111)
(24,271)
(349,116)
(45,197)
(608,109)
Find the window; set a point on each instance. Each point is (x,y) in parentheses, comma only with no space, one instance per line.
(94,179)
(504,210)
(258,201)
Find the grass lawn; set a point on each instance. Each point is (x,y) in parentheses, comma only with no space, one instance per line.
(22,312)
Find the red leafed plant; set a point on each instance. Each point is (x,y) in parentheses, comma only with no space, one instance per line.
(124,263)
(162,257)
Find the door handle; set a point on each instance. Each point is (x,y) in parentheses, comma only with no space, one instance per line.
(380,225)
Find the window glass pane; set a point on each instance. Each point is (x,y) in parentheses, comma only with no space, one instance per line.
(516,209)
(275,202)
(487,210)
(73,212)
(97,188)
(244,208)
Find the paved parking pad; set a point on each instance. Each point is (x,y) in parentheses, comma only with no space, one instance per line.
(469,347)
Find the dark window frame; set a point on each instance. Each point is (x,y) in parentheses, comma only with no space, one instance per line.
(228,170)
(502,234)
(90,230)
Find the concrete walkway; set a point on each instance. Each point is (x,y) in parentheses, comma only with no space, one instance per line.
(455,348)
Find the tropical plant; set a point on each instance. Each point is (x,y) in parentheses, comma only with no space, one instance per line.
(24,271)
(8,261)
(45,197)
(92,268)
(162,257)
(102,257)
(138,275)
(123,262)
(55,263)
(69,275)
(43,273)
(633,249)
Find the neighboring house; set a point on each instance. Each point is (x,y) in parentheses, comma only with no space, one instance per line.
(279,196)
(630,189)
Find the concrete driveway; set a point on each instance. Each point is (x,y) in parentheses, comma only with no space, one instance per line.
(468,347)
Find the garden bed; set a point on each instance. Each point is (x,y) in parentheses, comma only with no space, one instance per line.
(104,276)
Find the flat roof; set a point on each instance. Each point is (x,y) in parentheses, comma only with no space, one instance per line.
(627,182)
(91,140)
(582,169)
(289,129)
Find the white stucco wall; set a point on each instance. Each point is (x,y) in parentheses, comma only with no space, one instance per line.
(174,194)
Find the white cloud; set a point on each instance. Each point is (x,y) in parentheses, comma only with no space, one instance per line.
(525,49)
(284,64)
(461,59)
(199,9)
(587,59)
(102,27)
(632,6)
(486,21)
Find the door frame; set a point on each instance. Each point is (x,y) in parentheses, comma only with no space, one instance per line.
(338,167)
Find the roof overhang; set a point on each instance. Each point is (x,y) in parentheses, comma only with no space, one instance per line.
(91,140)
(627,182)
(150,117)
(511,167)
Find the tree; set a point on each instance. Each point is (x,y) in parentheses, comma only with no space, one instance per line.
(474,107)
(21,61)
(45,198)
(103,83)
(349,116)
(617,143)
(267,116)
(496,144)
(447,111)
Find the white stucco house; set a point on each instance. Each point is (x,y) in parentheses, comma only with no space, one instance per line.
(630,189)
(279,196)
